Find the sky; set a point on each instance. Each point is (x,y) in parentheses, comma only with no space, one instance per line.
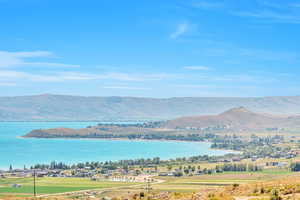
(150,48)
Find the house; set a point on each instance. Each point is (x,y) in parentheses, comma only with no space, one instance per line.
(282,164)
(16,185)
(42,173)
(236,159)
(163,174)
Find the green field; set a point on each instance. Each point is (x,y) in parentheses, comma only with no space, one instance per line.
(55,185)
(176,184)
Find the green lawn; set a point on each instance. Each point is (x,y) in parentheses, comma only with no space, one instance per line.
(277,171)
(43,189)
(181,184)
(55,185)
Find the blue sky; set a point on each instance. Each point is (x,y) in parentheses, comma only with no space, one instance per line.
(150,48)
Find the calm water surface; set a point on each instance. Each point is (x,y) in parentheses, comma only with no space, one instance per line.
(19,151)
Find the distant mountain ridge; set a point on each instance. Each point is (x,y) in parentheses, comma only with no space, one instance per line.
(49,107)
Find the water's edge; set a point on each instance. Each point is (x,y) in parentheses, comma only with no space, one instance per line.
(18,151)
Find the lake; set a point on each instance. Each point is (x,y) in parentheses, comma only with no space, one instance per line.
(18,151)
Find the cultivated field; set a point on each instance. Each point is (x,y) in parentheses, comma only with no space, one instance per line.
(196,183)
(53,185)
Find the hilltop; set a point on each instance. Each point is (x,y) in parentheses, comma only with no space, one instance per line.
(237,120)
(49,107)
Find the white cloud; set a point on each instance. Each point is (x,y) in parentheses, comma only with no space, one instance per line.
(215,86)
(180,30)
(7,84)
(196,86)
(271,16)
(47,64)
(264,10)
(11,75)
(18,59)
(273,12)
(126,88)
(208,5)
(201,68)
(295,5)
(30,54)
(249,54)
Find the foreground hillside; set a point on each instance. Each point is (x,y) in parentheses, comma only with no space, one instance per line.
(229,186)
(61,107)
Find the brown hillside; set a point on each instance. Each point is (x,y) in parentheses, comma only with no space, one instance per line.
(235,119)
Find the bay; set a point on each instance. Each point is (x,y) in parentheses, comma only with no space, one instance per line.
(17,151)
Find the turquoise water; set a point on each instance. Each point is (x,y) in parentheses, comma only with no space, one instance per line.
(19,151)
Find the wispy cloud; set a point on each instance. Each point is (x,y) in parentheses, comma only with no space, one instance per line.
(18,59)
(181,29)
(278,5)
(195,86)
(136,77)
(214,86)
(126,88)
(9,75)
(264,10)
(208,5)
(250,54)
(295,5)
(7,84)
(271,16)
(49,64)
(200,68)
(273,12)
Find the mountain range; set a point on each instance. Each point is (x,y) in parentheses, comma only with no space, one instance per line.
(49,107)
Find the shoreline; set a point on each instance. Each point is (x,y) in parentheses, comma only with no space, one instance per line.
(224,151)
(134,140)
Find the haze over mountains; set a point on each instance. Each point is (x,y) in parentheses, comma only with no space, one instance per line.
(71,108)
(237,120)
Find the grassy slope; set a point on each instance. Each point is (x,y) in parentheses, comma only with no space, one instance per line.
(196,183)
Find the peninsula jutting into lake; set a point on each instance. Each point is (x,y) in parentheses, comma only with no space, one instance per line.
(195,128)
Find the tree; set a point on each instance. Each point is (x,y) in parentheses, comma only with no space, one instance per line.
(275,195)
(193,169)
(186,171)
(295,167)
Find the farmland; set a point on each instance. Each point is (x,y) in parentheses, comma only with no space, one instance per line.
(48,185)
